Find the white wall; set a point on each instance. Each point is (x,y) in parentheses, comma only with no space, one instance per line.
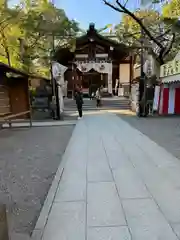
(124,72)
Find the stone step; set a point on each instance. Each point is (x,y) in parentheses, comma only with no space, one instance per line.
(109,103)
(102,108)
(70,105)
(94,103)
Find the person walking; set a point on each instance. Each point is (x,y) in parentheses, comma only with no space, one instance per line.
(98,98)
(79,101)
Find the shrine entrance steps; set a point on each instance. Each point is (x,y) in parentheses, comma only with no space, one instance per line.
(107,104)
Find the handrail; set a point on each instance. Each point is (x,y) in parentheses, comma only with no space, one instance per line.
(11,116)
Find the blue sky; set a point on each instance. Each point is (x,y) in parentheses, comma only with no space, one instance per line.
(87,11)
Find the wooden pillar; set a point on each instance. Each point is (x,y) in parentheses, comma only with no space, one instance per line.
(81,79)
(131,72)
(119,74)
(73,80)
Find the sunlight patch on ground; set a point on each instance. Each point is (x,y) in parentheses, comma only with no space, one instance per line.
(95,112)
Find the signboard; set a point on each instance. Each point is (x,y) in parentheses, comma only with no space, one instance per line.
(169,69)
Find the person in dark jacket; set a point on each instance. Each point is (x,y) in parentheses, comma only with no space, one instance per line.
(79,101)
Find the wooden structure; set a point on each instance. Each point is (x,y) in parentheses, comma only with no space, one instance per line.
(102,54)
(14,93)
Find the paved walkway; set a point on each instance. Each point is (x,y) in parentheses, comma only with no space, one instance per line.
(117,184)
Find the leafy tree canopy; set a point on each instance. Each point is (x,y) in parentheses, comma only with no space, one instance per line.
(160,30)
(28,31)
(129,30)
(171,9)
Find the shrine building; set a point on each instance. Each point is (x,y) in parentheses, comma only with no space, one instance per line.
(97,61)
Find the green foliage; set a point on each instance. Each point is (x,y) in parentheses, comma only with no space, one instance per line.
(9,34)
(28,31)
(171,14)
(129,31)
(171,9)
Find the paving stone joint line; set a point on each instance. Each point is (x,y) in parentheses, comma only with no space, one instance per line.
(170,224)
(107,159)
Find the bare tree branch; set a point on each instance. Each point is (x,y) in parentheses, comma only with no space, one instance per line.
(139,21)
(113,7)
(125,3)
(151,34)
(158,40)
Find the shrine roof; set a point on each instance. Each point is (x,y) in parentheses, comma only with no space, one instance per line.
(4,68)
(93,35)
(7,69)
(62,55)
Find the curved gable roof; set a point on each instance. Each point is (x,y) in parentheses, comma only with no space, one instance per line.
(62,55)
(95,36)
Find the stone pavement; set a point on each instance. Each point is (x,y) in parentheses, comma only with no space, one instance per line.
(165,130)
(117,184)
